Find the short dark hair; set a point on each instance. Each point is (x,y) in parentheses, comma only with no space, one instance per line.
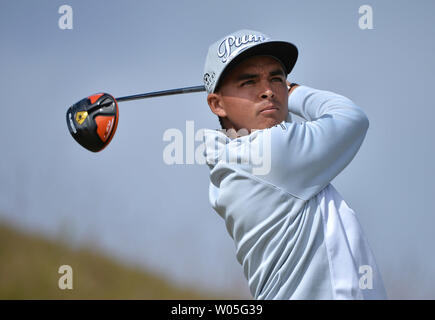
(221,122)
(217,89)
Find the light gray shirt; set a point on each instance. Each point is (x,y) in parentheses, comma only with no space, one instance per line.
(295,236)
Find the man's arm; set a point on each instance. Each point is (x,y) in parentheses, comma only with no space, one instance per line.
(307,156)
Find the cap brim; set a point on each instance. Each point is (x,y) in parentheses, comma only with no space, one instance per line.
(285,52)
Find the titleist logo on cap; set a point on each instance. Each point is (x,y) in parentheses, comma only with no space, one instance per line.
(231,45)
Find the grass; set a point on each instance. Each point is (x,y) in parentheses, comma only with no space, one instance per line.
(29,267)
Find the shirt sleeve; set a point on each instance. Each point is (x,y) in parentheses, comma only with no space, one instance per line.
(306,156)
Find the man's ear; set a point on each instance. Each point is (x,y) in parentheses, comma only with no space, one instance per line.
(214,101)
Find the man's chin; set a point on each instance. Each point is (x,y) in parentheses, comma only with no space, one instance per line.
(271,122)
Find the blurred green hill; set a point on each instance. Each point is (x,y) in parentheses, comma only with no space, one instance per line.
(29,267)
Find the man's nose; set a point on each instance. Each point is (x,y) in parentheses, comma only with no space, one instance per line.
(267,93)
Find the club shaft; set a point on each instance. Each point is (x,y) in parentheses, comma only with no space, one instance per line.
(161,93)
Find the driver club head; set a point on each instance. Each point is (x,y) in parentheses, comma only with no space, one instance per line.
(93,120)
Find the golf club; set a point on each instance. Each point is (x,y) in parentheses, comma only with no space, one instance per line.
(93,120)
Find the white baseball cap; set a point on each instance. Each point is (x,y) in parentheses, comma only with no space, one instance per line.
(242,44)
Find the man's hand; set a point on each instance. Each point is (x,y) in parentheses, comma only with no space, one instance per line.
(292,88)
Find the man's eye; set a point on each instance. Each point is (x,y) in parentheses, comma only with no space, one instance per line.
(277,79)
(248,82)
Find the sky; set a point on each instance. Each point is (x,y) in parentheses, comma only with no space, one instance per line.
(127,202)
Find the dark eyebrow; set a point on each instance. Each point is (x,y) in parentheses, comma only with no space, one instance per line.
(246,76)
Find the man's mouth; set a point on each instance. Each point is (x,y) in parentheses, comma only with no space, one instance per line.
(268,109)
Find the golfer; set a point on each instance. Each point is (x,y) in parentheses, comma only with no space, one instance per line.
(270,177)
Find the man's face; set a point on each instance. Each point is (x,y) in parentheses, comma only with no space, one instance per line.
(253,95)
